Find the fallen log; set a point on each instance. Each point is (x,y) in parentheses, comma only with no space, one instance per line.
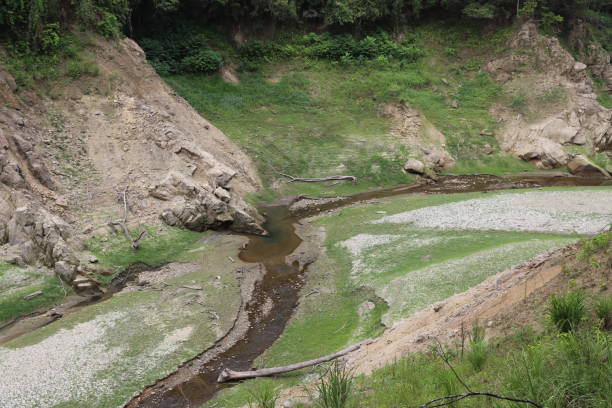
(318,179)
(229,375)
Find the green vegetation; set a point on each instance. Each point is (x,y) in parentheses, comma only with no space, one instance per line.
(158,247)
(69,60)
(315,105)
(567,311)
(263,394)
(335,388)
(16,283)
(478,352)
(603,311)
(554,370)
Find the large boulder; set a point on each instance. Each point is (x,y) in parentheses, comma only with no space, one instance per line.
(199,207)
(414,166)
(581,166)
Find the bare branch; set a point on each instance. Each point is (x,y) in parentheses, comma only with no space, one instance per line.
(451,399)
(443,356)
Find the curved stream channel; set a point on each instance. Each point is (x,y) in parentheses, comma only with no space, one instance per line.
(193,384)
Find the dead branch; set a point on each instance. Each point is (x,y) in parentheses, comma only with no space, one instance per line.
(451,399)
(135,242)
(229,375)
(318,179)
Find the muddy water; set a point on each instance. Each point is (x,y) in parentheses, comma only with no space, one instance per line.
(282,282)
(274,300)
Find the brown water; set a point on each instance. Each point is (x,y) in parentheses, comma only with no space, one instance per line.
(282,284)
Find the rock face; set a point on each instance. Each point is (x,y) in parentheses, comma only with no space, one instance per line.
(416,132)
(65,162)
(535,63)
(581,166)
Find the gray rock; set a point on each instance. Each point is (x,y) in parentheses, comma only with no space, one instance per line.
(581,166)
(65,271)
(414,166)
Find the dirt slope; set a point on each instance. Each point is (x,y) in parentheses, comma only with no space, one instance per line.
(64,162)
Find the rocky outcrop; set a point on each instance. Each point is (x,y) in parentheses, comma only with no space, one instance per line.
(412,129)
(199,207)
(64,163)
(575,119)
(581,166)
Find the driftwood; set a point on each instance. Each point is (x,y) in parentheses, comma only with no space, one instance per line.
(229,375)
(135,242)
(318,179)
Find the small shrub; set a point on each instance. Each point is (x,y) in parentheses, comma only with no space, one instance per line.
(204,61)
(603,311)
(335,388)
(518,102)
(108,25)
(263,395)
(79,68)
(50,41)
(478,353)
(566,311)
(601,242)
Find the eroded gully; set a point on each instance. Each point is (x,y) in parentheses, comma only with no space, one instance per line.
(195,382)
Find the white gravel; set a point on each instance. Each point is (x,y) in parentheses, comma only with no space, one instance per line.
(357,244)
(60,368)
(416,289)
(583,212)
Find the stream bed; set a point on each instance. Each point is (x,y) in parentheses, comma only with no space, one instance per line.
(195,382)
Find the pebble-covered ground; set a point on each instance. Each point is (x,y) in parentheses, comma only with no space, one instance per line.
(581,212)
(417,257)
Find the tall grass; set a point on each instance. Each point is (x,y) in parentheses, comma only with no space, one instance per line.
(567,311)
(570,370)
(603,311)
(335,388)
(478,353)
(262,394)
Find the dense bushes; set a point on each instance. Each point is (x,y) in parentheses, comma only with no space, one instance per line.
(186,49)
(341,48)
(181,50)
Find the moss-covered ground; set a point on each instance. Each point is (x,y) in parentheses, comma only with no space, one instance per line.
(17,282)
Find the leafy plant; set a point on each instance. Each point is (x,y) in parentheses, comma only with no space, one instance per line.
(603,311)
(262,395)
(566,311)
(204,61)
(335,388)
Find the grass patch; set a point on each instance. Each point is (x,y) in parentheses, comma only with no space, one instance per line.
(310,117)
(150,334)
(42,71)
(12,302)
(556,371)
(161,245)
